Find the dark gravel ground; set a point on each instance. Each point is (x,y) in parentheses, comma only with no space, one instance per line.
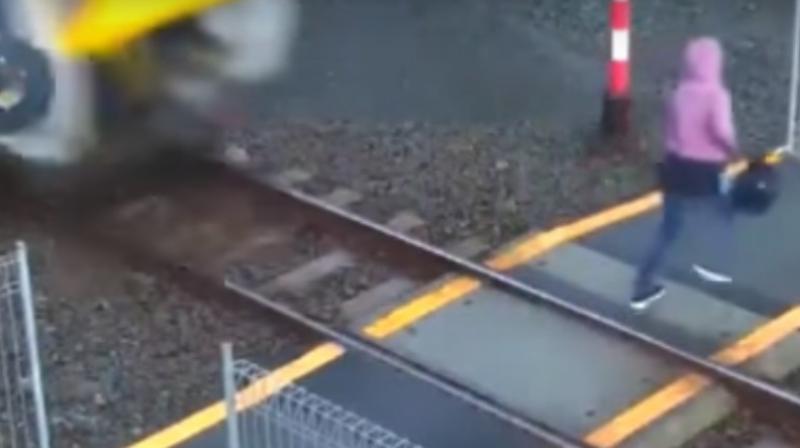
(124,354)
(756,37)
(744,429)
(494,181)
(128,354)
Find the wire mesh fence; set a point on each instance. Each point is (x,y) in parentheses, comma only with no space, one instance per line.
(23,423)
(267,411)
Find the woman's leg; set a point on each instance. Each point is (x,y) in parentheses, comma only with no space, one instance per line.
(668,231)
(715,240)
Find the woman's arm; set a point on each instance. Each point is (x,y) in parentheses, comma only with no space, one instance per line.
(722,123)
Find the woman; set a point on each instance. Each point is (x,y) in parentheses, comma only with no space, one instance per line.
(700,142)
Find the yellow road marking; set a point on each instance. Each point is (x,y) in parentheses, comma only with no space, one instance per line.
(434,300)
(680,391)
(420,307)
(185,429)
(214,414)
(542,243)
(396,320)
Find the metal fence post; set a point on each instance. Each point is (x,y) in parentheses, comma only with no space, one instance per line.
(26,291)
(229,382)
(275,413)
(795,81)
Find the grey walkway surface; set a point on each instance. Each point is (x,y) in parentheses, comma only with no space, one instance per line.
(562,371)
(412,408)
(545,365)
(406,406)
(768,250)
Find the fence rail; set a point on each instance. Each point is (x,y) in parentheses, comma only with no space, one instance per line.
(23,420)
(265,411)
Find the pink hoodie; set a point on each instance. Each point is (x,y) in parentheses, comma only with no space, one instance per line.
(699,113)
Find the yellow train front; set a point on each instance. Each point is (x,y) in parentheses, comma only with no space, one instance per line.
(80,77)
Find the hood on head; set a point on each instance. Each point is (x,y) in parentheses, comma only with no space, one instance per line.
(702,60)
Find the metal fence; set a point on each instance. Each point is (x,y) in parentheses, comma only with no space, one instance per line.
(265,410)
(23,422)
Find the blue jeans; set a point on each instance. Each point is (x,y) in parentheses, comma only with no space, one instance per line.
(707,221)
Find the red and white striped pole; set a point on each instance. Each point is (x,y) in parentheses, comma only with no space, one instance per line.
(617,105)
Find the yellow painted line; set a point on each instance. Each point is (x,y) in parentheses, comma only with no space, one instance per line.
(185,429)
(680,391)
(423,306)
(214,414)
(541,243)
(313,360)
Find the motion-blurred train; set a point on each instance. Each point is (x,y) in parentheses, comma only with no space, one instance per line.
(80,76)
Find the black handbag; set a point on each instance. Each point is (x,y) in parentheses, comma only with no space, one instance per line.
(755,190)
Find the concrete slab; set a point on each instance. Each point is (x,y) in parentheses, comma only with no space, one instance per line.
(252,246)
(411,407)
(300,279)
(691,318)
(715,403)
(617,311)
(397,402)
(470,247)
(694,313)
(380,299)
(362,309)
(550,367)
(768,249)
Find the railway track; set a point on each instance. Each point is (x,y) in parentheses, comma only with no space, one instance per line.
(225,235)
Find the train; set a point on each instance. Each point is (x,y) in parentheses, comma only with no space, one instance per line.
(80,78)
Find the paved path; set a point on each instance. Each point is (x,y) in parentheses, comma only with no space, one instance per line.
(400,404)
(557,370)
(768,247)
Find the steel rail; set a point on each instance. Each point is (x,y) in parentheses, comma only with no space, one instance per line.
(748,383)
(415,369)
(206,286)
(742,382)
(138,256)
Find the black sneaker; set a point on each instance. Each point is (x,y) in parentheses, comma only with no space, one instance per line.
(642,301)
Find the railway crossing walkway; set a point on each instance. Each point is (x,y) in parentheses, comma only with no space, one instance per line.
(553,368)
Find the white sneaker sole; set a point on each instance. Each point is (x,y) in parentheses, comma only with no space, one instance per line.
(711,276)
(643,305)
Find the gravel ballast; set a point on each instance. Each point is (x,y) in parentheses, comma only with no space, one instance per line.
(124,354)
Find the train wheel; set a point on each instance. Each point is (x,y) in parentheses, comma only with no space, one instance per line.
(26,85)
